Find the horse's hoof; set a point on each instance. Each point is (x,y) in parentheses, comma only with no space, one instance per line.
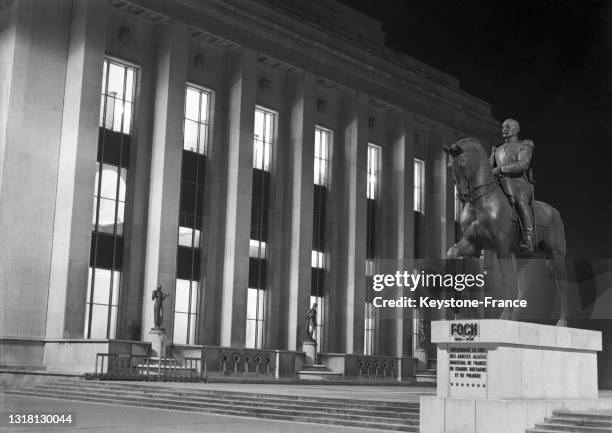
(562,322)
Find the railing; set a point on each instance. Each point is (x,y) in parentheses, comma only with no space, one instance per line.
(378,367)
(247,362)
(137,367)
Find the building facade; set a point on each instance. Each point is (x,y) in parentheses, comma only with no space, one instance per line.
(251,157)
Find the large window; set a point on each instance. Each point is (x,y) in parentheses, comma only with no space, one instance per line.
(117,97)
(195,146)
(322,143)
(419,185)
(369,329)
(373,196)
(185,311)
(263,138)
(371,313)
(109,199)
(197,113)
(102,303)
(110,184)
(256,308)
(373,192)
(321,156)
(374,152)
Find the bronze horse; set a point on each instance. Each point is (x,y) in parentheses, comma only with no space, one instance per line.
(489,222)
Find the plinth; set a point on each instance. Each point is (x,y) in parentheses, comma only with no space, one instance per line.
(310,349)
(502,376)
(158,342)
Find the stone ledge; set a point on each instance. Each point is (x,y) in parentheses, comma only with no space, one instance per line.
(506,332)
(472,415)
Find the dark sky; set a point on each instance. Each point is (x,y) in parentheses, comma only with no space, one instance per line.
(547,64)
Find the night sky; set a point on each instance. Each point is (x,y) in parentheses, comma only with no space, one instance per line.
(547,64)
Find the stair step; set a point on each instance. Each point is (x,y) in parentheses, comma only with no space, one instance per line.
(582,415)
(232,394)
(571,428)
(541,431)
(577,421)
(316,368)
(407,413)
(368,422)
(318,375)
(426,377)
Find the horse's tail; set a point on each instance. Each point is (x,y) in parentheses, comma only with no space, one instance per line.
(561,240)
(554,239)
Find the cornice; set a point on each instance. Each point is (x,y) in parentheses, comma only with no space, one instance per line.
(404,82)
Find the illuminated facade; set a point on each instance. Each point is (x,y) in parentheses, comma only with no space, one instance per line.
(251,157)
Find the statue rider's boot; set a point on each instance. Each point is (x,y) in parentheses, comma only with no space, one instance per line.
(524,211)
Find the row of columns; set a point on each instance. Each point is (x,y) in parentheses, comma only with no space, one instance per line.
(224,286)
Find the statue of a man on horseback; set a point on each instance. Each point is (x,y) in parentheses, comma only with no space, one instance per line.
(510,162)
(489,218)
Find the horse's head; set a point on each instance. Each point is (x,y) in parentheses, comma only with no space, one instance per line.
(468,163)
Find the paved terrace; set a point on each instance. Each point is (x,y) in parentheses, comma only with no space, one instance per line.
(92,417)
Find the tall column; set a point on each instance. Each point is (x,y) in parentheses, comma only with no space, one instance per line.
(213,224)
(77,165)
(302,191)
(335,277)
(166,154)
(398,228)
(242,81)
(355,155)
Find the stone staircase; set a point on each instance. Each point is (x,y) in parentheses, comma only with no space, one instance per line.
(427,376)
(317,372)
(578,422)
(383,415)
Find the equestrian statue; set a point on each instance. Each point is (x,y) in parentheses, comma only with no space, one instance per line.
(500,215)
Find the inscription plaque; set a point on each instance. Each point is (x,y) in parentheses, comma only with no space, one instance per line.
(467,371)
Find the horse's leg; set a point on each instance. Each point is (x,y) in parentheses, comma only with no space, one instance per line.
(463,248)
(556,267)
(521,285)
(508,277)
(555,249)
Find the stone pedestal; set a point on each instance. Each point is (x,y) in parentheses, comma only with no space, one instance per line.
(503,376)
(420,355)
(310,349)
(158,342)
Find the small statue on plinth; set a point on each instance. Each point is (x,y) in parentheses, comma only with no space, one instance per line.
(311,323)
(158,308)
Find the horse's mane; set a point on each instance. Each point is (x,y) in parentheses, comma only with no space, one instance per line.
(477,158)
(471,145)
